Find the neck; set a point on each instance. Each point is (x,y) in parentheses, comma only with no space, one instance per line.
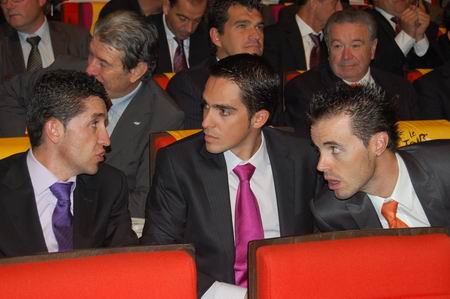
(385,177)
(52,161)
(248,149)
(35,26)
(308,18)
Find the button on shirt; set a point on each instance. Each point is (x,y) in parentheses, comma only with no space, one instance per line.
(118,107)
(409,208)
(404,41)
(308,43)
(173,45)
(41,180)
(44,46)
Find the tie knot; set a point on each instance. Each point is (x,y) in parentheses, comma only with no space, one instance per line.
(244,172)
(315,38)
(179,42)
(34,40)
(389,210)
(396,20)
(61,191)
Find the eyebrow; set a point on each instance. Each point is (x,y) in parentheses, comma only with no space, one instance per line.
(98,115)
(334,143)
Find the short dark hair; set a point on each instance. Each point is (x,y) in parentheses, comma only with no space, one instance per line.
(60,94)
(218,13)
(353,16)
(257,81)
(371,111)
(133,36)
(173,2)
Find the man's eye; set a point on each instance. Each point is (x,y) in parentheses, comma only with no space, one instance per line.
(335,150)
(224,112)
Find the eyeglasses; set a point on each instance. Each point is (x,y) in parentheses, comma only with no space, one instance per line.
(13,1)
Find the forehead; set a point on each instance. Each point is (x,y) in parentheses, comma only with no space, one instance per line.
(240,12)
(349,31)
(221,91)
(105,52)
(188,8)
(336,128)
(93,107)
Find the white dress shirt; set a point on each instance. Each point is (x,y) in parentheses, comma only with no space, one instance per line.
(44,46)
(263,187)
(409,208)
(405,41)
(173,45)
(308,43)
(41,180)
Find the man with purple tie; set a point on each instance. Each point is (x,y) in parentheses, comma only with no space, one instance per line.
(236,181)
(58,196)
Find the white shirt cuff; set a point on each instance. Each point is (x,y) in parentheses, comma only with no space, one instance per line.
(221,290)
(421,47)
(404,42)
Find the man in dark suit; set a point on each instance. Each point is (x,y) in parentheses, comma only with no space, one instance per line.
(371,184)
(291,45)
(406,38)
(351,39)
(26,19)
(122,58)
(433,92)
(181,30)
(236,26)
(195,197)
(58,196)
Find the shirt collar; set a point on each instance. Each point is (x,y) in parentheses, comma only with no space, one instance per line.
(305,29)
(366,80)
(386,15)
(259,158)
(126,97)
(43,32)
(41,177)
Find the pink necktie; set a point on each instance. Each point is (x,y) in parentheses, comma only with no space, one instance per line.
(248,224)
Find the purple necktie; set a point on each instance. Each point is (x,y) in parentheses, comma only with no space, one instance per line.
(314,58)
(248,224)
(179,59)
(62,218)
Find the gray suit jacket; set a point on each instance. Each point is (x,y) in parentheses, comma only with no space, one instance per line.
(66,40)
(189,201)
(428,165)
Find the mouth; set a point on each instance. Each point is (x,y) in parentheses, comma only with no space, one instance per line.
(100,156)
(210,138)
(333,184)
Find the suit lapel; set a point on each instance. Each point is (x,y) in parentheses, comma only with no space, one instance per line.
(427,191)
(14,51)
(215,182)
(363,212)
(296,43)
(164,59)
(283,176)
(20,203)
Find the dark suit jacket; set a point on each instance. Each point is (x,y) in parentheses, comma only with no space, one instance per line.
(151,110)
(300,90)
(428,166)
(66,40)
(190,203)
(283,46)
(101,217)
(390,58)
(199,48)
(186,88)
(433,91)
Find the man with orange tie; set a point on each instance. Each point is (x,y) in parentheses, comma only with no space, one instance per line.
(236,181)
(370,183)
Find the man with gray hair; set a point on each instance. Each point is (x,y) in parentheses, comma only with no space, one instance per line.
(350,36)
(122,57)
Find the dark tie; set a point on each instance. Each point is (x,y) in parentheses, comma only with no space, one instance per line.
(389,211)
(62,218)
(34,59)
(314,58)
(396,21)
(179,59)
(247,223)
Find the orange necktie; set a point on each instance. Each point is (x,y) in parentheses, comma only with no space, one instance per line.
(389,211)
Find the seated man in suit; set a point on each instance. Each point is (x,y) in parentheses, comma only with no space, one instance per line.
(200,194)
(58,196)
(29,41)
(405,35)
(351,40)
(235,26)
(122,57)
(297,43)
(371,184)
(183,40)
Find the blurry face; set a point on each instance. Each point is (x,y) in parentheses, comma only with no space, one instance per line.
(82,145)
(183,18)
(394,7)
(26,16)
(347,165)
(105,63)
(242,33)
(350,51)
(325,9)
(225,119)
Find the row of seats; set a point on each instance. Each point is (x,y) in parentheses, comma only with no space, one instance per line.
(395,263)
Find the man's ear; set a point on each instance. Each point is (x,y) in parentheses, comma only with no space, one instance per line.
(380,142)
(373,48)
(214,35)
(53,130)
(138,71)
(166,6)
(260,118)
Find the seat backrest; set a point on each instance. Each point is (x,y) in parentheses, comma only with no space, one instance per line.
(415,131)
(163,79)
(401,263)
(134,272)
(13,145)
